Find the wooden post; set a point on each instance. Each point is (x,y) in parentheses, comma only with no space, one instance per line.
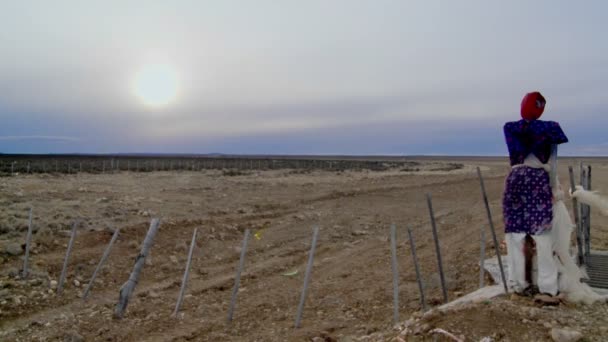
(493,231)
(105,255)
(437,248)
(129,286)
(186,273)
(28,241)
(395,270)
(417,268)
(311,257)
(237,278)
(67,257)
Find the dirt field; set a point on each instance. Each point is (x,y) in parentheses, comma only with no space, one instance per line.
(350,295)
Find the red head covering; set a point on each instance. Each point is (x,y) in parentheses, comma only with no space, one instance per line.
(532,106)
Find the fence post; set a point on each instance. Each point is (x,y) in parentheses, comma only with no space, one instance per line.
(311,257)
(28,241)
(129,286)
(237,278)
(482,256)
(437,248)
(67,257)
(577,219)
(588,220)
(489,213)
(186,273)
(105,255)
(395,270)
(417,268)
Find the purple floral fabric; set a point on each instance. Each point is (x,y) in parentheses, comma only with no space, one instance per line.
(525,137)
(527,202)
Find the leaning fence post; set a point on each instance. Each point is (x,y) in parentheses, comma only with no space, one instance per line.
(416,267)
(311,257)
(186,273)
(395,270)
(237,278)
(129,286)
(105,255)
(577,221)
(27,245)
(67,257)
(496,245)
(437,248)
(482,256)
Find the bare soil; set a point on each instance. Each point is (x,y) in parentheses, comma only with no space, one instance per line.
(350,295)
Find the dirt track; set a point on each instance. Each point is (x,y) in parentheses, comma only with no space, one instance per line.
(351,287)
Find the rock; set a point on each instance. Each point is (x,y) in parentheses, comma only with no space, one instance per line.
(359,232)
(153,294)
(4,294)
(53,284)
(173,259)
(11,272)
(565,335)
(76,283)
(73,337)
(36,282)
(546,299)
(13,248)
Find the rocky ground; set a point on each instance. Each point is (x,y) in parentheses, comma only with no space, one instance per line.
(350,296)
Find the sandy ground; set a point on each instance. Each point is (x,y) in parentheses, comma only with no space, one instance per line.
(350,295)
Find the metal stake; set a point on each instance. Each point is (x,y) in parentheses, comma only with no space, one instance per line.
(577,220)
(237,278)
(27,245)
(395,274)
(311,257)
(417,268)
(67,257)
(482,256)
(186,273)
(588,220)
(496,245)
(128,287)
(437,249)
(105,255)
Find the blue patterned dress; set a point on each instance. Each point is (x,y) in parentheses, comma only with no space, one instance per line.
(527,200)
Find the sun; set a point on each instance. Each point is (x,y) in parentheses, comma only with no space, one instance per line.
(156,85)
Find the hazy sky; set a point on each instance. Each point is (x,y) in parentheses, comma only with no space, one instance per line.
(302,77)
